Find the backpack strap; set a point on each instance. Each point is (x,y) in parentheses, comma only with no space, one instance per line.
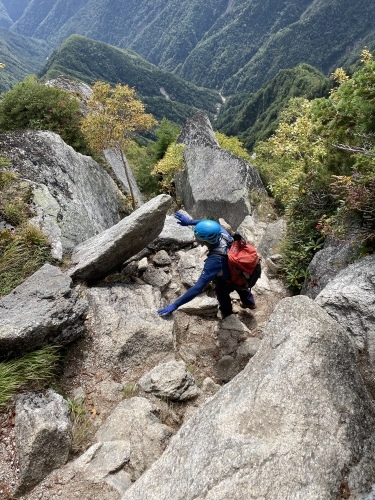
(223,246)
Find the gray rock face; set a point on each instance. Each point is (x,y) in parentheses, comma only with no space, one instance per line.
(128,328)
(198,132)
(47,216)
(202,188)
(170,380)
(230,337)
(293,424)
(75,87)
(105,462)
(230,333)
(43,309)
(190,265)
(98,256)
(272,237)
(326,264)
(252,230)
(350,299)
(201,306)
(43,435)
(86,195)
(124,174)
(161,259)
(134,420)
(157,277)
(173,236)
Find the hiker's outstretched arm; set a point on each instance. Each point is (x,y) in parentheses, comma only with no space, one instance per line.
(184,220)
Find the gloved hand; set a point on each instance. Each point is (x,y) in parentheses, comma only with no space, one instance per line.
(182,219)
(165,311)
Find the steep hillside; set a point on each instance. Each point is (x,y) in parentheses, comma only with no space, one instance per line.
(254,118)
(164,93)
(231,45)
(5,20)
(237,37)
(325,34)
(15,8)
(22,56)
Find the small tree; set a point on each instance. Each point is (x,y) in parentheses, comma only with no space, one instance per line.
(114,115)
(167,168)
(166,134)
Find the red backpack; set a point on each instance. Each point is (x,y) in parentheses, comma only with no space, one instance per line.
(242,260)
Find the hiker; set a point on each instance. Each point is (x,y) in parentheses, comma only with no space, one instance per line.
(218,240)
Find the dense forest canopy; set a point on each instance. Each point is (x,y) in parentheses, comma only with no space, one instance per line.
(231,46)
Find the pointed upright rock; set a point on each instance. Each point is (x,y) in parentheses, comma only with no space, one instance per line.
(215,183)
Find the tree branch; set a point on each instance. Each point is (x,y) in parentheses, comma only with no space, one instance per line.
(353,149)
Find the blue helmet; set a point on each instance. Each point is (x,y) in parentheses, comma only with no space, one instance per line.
(208,230)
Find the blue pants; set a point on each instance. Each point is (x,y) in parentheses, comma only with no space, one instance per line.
(223,289)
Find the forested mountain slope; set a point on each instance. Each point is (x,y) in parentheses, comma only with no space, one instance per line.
(230,45)
(254,117)
(164,94)
(325,36)
(5,20)
(23,56)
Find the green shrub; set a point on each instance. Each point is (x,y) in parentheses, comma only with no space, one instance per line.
(168,167)
(143,158)
(232,144)
(320,167)
(303,238)
(142,161)
(24,249)
(32,105)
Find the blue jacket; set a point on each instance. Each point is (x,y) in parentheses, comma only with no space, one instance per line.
(215,267)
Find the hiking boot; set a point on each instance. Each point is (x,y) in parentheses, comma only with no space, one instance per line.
(248,306)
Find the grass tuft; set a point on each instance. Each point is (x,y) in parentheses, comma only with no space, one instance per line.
(22,252)
(36,368)
(82,426)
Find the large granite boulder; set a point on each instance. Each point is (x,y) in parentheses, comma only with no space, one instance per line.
(63,82)
(327,263)
(126,326)
(98,256)
(173,236)
(215,183)
(350,299)
(297,422)
(272,238)
(75,197)
(43,435)
(146,435)
(171,381)
(44,309)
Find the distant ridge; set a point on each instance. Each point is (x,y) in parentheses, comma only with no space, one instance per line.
(232,46)
(165,94)
(22,56)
